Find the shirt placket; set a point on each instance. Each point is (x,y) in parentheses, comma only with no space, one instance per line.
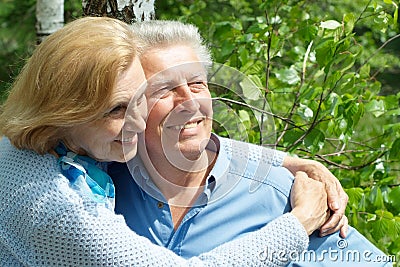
(177,238)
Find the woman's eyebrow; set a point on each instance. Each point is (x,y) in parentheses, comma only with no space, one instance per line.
(122,101)
(142,90)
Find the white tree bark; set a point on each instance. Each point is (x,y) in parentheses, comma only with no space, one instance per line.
(143,10)
(49,17)
(125,10)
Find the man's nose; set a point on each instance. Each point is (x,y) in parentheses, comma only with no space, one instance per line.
(185,99)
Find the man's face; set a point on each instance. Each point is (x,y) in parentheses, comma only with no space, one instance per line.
(179,103)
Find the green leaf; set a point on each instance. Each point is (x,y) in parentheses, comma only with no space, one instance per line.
(365,70)
(305,112)
(344,62)
(288,75)
(259,28)
(330,24)
(243,55)
(314,140)
(355,194)
(244,118)
(291,137)
(197,6)
(384,214)
(394,153)
(250,90)
(377,108)
(380,227)
(391,102)
(324,52)
(227,48)
(397,225)
(308,32)
(394,197)
(376,197)
(349,20)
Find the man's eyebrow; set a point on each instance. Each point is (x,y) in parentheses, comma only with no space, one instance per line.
(164,81)
(159,82)
(201,74)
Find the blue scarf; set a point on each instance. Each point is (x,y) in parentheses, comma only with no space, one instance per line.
(85,175)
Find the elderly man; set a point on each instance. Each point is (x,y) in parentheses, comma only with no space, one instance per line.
(196,190)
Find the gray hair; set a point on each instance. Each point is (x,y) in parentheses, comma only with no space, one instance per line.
(159,33)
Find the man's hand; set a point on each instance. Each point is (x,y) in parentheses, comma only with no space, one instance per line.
(309,202)
(337,197)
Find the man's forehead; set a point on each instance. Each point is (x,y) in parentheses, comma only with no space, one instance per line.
(180,72)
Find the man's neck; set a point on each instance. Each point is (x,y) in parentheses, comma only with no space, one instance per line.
(180,183)
(181,187)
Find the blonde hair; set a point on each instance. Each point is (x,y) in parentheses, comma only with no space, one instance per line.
(67,81)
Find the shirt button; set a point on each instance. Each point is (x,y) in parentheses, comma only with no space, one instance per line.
(160,205)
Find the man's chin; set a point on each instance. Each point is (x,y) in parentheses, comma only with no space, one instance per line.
(191,150)
(128,155)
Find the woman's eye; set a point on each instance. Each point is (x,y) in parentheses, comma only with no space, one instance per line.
(117,111)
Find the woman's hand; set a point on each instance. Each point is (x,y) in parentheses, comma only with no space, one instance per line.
(337,197)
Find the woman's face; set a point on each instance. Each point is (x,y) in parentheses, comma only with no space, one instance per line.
(114,137)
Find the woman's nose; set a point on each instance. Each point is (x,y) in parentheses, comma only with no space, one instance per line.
(135,118)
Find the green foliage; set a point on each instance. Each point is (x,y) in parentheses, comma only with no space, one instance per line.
(18,35)
(320,64)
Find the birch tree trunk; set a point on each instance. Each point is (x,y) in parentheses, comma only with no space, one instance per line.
(125,10)
(49,17)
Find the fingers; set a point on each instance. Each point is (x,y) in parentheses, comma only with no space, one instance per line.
(344,198)
(335,223)
(345,228)
(336,196)
(334,201)
(337,201)
(301,175)
(309,202)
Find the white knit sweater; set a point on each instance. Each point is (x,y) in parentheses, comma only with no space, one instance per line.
(44,222)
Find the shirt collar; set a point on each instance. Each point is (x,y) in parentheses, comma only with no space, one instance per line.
(216,177)
(223,147)
(142,179)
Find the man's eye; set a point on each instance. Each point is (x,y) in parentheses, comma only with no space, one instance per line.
(198,85)
(161,93)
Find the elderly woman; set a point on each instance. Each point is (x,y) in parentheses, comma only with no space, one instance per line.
(65,114)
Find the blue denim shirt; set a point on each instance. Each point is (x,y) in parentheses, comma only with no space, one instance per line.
(244,191)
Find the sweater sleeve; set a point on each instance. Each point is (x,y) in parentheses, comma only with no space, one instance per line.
(83,238)
(273,157)
(270,246)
